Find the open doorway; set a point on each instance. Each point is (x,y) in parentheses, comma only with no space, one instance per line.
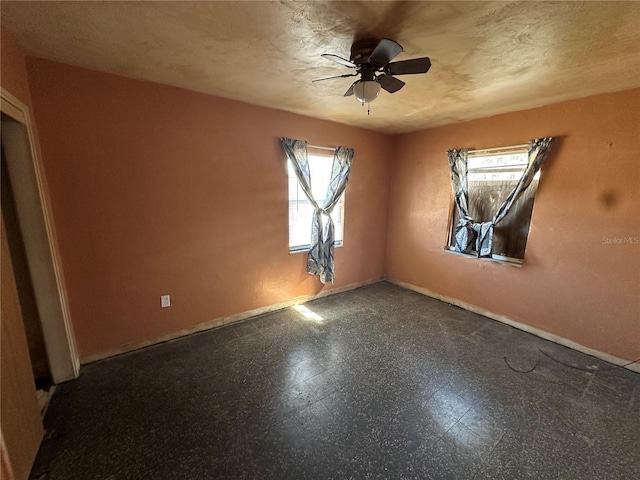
(33,249)
(24,286)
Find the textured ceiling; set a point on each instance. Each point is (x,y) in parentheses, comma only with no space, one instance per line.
(487,57)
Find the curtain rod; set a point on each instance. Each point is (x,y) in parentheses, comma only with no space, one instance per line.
(498,149)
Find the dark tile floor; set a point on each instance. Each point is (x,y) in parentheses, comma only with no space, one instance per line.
(390,384)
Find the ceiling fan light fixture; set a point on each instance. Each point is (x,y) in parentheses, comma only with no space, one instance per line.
(366,91)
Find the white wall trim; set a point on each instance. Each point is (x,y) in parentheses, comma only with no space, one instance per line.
(218,322)
(26,172)
(635,367)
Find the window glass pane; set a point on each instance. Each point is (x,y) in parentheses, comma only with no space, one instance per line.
(511,176)
(300,208)
(501,161)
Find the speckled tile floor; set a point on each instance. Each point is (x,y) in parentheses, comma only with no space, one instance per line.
(391,384)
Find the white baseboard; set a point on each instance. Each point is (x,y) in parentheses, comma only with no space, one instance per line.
(218,322)
(635,367)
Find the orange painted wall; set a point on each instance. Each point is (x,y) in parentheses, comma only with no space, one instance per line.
(13,71)
(158,190)
(574,284)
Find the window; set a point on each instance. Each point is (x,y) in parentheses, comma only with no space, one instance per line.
(301,209)
(491,176)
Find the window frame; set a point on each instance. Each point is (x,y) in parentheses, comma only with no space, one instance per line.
(496,258)
(316,152)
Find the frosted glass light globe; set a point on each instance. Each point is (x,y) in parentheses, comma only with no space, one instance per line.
(366,91)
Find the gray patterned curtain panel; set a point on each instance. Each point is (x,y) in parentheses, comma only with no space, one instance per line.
(470,234)
(465,235)
(320,258)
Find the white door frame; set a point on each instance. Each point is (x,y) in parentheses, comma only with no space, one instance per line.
(36,225)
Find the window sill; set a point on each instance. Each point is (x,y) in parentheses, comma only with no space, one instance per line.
(512,262)
(305,248)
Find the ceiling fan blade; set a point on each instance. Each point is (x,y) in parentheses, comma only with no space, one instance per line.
(407,67)
(349,92)
(335,76)
(340,60)
(389,83)
(384,52)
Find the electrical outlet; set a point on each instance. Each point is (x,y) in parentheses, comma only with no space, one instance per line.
(165,301)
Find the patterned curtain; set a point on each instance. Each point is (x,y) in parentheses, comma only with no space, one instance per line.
(480,234)
(466,230)
(320,258)
(538,151)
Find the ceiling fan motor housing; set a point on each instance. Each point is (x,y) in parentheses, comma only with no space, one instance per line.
(361,50)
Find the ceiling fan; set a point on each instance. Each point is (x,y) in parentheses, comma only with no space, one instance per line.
(372,60)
